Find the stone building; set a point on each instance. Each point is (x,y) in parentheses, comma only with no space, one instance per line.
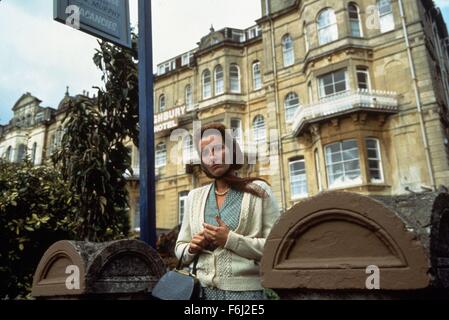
(339,95)
(330,95)
(34,131)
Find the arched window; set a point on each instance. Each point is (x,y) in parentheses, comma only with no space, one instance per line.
(219,80)
(306,37)
(207,84)
(187,149)
(257,76)
(374,160)
(188,96)
(291,104)
(8,155)
(386,19)
(33,153)
(259,133)
(288,50)
(21,153)
(354,20)
(161,155)
(327,26)
(234,78)
(162,103)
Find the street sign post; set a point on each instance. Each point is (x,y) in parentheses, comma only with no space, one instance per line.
(146,140)
(109,20)
(106,19)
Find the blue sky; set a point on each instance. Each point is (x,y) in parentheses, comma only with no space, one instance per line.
(40,56)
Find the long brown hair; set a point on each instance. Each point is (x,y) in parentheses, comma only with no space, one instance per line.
(238,183)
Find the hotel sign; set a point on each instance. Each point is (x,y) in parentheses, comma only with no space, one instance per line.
(106,19)
(168,119)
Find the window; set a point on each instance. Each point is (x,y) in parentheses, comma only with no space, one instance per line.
(39,117)
(33,153)
(58,137)
(306,37)
(374,160)
(354,20)
(219,80)
(161,155)
(363,78)
(207,85)
(386,19)
(166,67)
(186,58)
(182,205)
(253,32)
(288,50)
(234,76)
(237,132)
(343,164)
(162,103)
(332,83)
(259,130)
(52,144)
(291,104)
(9,154)
(318,170)
(187,150)
(298,179)
(188,96)
(327,27)
(22,152)
(238,36)
(257,76)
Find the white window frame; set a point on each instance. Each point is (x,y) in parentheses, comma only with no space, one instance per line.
(187,149)
(386,19)
(21,152)
(334,83)
(206,86)
(365,72)
(186,58)
(9,154)
(318,170)
(34,153)
(182,201)
(290,107)
(162,103)
(161,155)
(288,50)
(219,80)
(257,76)
(234,78)
(327,30)
(357,20)
(188,95)
(298,178)
(378,158)
(253,32)
(238,35)
(330,165)
(259,130)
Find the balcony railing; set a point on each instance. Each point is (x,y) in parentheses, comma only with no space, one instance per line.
(346,102)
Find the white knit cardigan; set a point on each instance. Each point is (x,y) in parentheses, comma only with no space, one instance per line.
(236,266)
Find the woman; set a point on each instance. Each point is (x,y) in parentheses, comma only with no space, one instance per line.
(226,222)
